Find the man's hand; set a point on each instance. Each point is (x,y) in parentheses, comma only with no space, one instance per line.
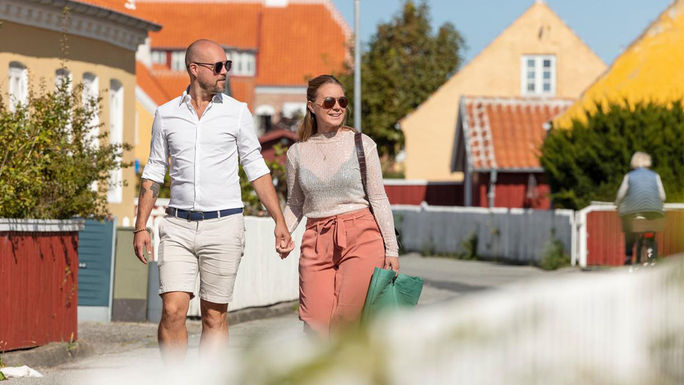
(392,263)
(141,242)
(283,241)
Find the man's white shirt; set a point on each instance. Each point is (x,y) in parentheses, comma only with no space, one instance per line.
(202,152)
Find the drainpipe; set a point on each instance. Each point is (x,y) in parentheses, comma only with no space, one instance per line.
(468,187)
(492,188)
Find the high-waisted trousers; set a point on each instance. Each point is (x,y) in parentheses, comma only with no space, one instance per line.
(338,256)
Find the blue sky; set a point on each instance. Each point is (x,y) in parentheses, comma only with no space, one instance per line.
(607,26)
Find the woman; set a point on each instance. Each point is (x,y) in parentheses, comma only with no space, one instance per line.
(344,241)
(641,193)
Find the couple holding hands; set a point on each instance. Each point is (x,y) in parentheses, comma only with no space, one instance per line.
(334,179)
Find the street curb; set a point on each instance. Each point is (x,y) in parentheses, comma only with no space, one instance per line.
(58,353)
(254,313)
(52,354)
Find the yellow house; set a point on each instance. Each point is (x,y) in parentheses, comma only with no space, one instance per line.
(650,69)
(537,56)
(102,44)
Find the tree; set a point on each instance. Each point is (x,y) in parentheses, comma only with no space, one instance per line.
(403,65)
(588,161)
(49,161)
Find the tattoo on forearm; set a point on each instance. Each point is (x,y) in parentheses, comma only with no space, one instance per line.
(154,188)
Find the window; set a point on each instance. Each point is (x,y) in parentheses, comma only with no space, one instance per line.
(244,63)
(237,64)
(159,57)
(264,118)
(538,75)
(63,75)
(18,85)
(91,92)
(116,113)
(178,60)
(250,64)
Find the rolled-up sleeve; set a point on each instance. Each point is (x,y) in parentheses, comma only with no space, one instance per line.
(158,162)
(249,148)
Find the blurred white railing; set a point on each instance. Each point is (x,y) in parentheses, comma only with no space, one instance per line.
(610,327)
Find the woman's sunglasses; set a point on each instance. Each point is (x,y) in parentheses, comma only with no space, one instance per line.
(218,66)
(329,102)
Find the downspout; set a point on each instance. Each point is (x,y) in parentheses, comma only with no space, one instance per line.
(468,186)
(492,188)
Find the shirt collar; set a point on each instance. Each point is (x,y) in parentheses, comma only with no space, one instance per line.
(185,98)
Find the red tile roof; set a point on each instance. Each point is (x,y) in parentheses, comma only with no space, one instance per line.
(150,84)
(126,7)
(293,43)
(299,42)
(506,133)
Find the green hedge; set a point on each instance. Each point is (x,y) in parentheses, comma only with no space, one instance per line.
(588,161)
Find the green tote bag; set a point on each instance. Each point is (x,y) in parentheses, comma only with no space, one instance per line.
(388,290)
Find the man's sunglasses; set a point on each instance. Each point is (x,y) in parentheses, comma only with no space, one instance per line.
(218,66)
(329,102)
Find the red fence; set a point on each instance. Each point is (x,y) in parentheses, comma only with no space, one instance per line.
(414,192)
(602,241)
(38,288)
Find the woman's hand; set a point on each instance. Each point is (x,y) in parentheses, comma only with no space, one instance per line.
(392,263)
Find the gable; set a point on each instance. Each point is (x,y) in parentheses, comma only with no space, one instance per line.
(650,69)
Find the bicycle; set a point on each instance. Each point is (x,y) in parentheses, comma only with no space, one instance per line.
(646,245)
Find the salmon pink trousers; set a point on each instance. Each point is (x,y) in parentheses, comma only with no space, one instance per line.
(338,256)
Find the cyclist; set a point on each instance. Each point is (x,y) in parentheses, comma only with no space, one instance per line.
(641,193)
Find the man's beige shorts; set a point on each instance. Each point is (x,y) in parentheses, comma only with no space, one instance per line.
(214,247)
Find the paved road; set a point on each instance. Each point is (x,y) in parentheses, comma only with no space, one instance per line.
(137,360)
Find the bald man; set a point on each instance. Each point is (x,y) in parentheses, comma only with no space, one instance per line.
(200,135)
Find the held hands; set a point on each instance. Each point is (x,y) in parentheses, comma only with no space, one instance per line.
(392,263)
(141,242)
(283,242)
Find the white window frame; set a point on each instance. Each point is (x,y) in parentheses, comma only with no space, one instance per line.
(291,108)
(250,63)
(62,75)
(91,90)
(178,60)
(538,75)
(159,57)
(116,116)
(18,85)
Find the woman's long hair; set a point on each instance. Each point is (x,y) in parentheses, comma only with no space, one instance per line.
(308,126)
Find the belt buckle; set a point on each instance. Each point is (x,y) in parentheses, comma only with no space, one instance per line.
(190,212)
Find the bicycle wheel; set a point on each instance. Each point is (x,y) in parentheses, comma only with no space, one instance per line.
(647,251)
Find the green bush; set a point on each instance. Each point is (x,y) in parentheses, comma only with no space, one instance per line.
(554,256)
(469,248)
(587,162)
(49,161)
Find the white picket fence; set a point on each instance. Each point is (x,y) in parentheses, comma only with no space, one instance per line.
(517,235)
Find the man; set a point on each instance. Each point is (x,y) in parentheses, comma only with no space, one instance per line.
(201,134)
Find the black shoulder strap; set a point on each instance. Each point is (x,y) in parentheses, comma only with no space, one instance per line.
(361,155)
